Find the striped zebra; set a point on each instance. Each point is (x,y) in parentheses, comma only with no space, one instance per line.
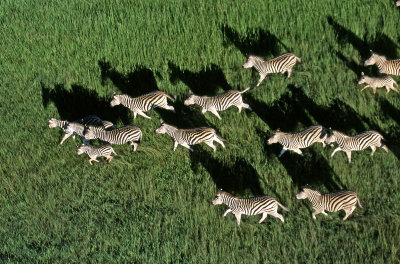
(398,3)
(265,205)
(385,66)
(77,127)
(219,102)
(331,202)
(140,105)
(97,151)
(384,81)
(188,137)
(118,136)
(280,64)
(358,142)
(297,141)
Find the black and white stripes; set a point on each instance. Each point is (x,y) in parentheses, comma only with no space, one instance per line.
(140,105)
(265,205)
(331,202)
(219,102)
(391,67)
(189,137)
(297,141)
(97,151)
(377,82)
(280,64)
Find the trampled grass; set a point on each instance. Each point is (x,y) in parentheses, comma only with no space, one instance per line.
(65,58)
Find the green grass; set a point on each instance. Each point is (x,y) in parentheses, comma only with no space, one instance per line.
(65,58)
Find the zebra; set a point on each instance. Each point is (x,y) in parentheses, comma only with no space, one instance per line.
(302,139)
(358,142)
(118,136)
(97,151)
(331,202)
(384,81)
(385,66)
(280,64)
(77,127)
(219,102)
(140,105)
(188,137)
(265,205)
(398,3)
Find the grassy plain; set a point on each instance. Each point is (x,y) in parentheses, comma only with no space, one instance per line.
(65,58)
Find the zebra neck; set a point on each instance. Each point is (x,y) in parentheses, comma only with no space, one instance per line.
(314,197)
(340,139)
(230,201)
(284,139)
(381,64)
(61,123)
(127,101)
(171,130)
(201,100)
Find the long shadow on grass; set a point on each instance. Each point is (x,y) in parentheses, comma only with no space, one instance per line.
(382,45)
(392,135)
(236,176)
(77,102)
(256,41)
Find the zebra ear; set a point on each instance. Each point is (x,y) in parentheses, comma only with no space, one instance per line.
(190,92)
(362,73)
(161,121)
(371,51)
(114,93)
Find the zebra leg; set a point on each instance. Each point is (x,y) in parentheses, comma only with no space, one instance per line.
(315,214)
(175,145)
(395,89)
(227,212)
(167,107)
(263,217)
(282,151)
(134,144)
(246,106)
(365,88)
(384,147)
(298,151)
(212,110)
(278,215)
(336,150)
(64,138)
(289,72)
(374,89)
(134,115)
(144,115)
(387,89)
(238,216)
(373,150)
(92,159)
(348,212)
(186,145)
(109,158)
(219,141)
(324,213)
(348,156)
(262,77)
(210,143)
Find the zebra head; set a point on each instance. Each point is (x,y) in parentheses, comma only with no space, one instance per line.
(190,100)
(90,132)
(331,137)
(250,62)
(398,3)
(219,197)
(162,129)
(275,138)
(306,192)
(53,122)
(82,149)
(116,100)
(363,78)
(374,59)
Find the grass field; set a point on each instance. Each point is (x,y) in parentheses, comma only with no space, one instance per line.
(65,58)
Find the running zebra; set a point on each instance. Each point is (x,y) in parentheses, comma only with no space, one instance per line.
(188,137)
(97,151)
(297,141)
(219,102)
(398,3)
(385,66)
(358,142)
(118,136)
(265,205)
(77,127)
(384,81)
(331,202)
(280,64)
(140,105)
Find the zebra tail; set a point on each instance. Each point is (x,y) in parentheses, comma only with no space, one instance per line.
(140,137)
(170,97)
(245,90)
(358,202)
(283,207)
(298,59)
(394,82)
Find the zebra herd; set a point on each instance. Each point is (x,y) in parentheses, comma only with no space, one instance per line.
(92,127)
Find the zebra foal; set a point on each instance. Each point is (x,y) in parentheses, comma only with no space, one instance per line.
(77,127)
(358,142)
(280,64)
(118,136)
(265,205)
(219,102)
(385,66)
(297,141)
(331,202)
(97,151)
(384,81)
(188,137)
(140,105)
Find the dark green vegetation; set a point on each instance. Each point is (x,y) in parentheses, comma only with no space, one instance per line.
(65,58)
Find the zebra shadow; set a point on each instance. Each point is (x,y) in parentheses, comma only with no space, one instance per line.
(136,83)
(382,44)
(255,41)
(204,82)
(236,176)
(77,102)
(392,134)
(311,168)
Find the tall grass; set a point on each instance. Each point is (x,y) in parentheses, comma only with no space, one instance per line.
(65,58)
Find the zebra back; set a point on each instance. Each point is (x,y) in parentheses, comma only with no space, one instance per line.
(195,135)
(119,136)
(360,141)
